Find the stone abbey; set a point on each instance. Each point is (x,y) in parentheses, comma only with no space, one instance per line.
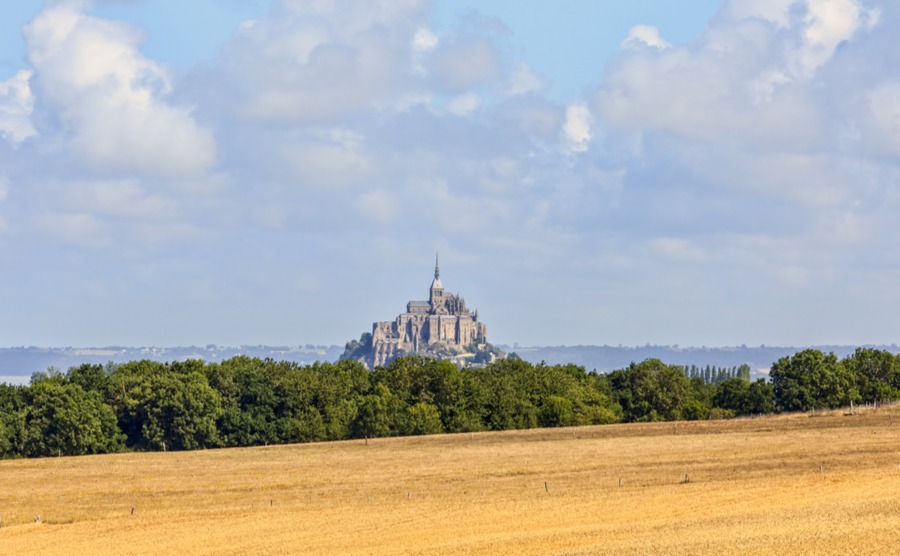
(441,327)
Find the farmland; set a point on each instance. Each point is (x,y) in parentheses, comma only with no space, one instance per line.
(790,484)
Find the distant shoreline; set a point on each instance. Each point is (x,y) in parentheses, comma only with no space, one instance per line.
(18,363)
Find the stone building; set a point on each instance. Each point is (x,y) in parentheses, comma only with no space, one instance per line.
(440,327)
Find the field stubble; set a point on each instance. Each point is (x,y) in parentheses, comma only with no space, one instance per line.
(793,484)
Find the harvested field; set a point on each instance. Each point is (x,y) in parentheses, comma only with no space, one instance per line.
(798,484)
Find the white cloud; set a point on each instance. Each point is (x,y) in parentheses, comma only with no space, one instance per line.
(645,35)
(458,214)
(320,164)
(82,229)
(464,104)
(883,104)
(778,123)
(776,11)
(748,77)
(677,250)
(16,105)
(465,63)
(109,98)
(378,205)
(534,116)
(828,23)
(577,128)
(758,158)
(312,61)
(118,199)
(523,81)
(424,41)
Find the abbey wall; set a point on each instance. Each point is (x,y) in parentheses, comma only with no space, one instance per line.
(441,326)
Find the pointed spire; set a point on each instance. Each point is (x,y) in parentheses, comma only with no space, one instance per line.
(437,269)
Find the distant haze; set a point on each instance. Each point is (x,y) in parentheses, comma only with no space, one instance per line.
(17,364)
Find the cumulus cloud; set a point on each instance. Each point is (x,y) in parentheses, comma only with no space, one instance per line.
(677,249)
(523,81)
(577,128)
(767,144)
(16,105)
(465,62)
(829,23)
(118,198)
(464,104)
(645,35)
(378,205)
(748,77)
(424,41)
(109,99)
(310,61)
(752,162)
(883,103)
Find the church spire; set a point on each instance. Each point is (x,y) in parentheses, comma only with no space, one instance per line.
(437,289)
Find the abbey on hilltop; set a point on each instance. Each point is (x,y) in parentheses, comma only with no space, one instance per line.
(441,327)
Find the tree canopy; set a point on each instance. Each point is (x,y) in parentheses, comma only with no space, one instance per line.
(244,401)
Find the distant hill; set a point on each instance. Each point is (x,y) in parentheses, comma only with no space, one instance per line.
(609,358)
(18,363)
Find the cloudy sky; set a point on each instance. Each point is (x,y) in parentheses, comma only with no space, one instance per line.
(592,172)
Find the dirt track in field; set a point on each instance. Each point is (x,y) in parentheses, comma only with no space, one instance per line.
(799,484)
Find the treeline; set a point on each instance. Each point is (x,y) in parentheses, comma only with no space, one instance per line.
(243,401)
(715,374)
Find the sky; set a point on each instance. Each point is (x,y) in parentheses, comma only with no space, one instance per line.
(282,172)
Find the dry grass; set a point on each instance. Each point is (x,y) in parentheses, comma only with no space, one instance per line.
(782,485)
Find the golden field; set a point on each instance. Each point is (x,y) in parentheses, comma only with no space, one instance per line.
(798,484)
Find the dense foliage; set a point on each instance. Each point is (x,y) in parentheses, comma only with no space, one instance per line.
(243,401)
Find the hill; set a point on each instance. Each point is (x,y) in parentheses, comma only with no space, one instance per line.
(791,484)
(608,358)
(18,363)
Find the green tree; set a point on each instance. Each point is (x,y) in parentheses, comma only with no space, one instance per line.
(874,372)
(760,398)
(422,418)
(810,379)
(91,378)
(556,411)
(62,419)
(52,374)
(162,408)
(11,405)
(378,414)
(249,401)
(732,394)
(652,391)
(414,379)
(508,403)
(335,391)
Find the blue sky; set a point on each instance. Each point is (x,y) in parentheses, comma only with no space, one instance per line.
(282,171)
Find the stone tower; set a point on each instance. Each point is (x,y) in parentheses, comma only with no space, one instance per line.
(441,327)
(436,293)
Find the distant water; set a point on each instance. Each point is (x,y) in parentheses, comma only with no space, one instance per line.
(18,363)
